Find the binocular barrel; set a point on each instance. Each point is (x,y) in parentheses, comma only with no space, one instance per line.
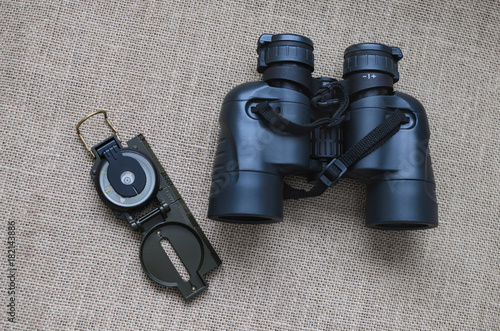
(252,157)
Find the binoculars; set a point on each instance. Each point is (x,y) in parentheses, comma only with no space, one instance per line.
(293,124)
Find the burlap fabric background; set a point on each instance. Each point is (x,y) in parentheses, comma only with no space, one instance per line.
(162,69)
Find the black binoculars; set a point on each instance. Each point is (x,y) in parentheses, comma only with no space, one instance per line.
(293,124)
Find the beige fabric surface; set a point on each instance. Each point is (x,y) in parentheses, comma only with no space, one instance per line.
(162,69)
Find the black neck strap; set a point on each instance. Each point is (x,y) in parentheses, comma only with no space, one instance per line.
(338,167)
(334,98)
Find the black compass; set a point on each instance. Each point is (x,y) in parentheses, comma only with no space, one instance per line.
(129,180)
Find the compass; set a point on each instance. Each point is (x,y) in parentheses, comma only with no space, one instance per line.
(127,179)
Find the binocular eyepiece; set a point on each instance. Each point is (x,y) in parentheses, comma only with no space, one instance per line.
(372,57)
(284,49)
(293,124)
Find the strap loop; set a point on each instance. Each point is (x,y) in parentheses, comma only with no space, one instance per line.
(272,118)
(329,97)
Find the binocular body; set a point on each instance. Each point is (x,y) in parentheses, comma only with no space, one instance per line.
(254,156)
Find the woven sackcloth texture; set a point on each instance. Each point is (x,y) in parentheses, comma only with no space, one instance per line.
(162,68)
